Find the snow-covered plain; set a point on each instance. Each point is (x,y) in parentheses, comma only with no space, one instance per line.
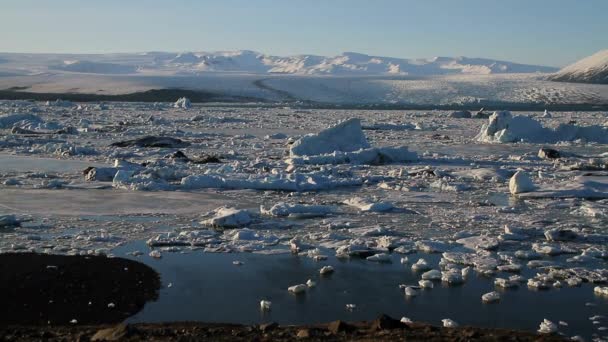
(346,79)
(220,180)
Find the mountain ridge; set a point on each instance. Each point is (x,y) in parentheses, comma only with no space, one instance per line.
(247,61)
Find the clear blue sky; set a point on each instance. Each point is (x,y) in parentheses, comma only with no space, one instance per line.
(548,32)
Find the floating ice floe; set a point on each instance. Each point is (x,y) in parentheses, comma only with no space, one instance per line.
(156,254)
(482,242)
(346,136)
(504,128)
(182,102)
(371,156)
(505,283)
(280,182)
(589,187)
(389,127)
(421,265)
(425,284)
(283,209)
(410,291)
(311,283)
(483,262)
(430,246)
(601,291)
(380,257)
(431,275)
(326,270)
(9,120)
(297,289)
(547,327)
(405,320)
(366,205)
(490,297)
(344,143)
(448,323)
(265,305)
(228,218)
(452,277)
(351,307)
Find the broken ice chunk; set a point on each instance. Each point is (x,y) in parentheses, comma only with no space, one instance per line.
(520,183)
(421,265)
(547,327)
(265,305)
(346,136)
(431,275)
(601,291)
(326,270)
(297,289)
(380,257)
(410,291)
(490,297)
(155,254)
(366,205)
(425,284)
(226,217)
(448,323)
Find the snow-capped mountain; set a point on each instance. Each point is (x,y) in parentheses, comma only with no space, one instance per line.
(348,63)
(250,62)
(593,69)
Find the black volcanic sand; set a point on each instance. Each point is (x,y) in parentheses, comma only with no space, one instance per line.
(41,289)
(381,329)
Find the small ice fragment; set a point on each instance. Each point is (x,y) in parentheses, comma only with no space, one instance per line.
(380,257)
(547,327)
(421,265)
(351,307)
(74,321)
(326,270)
(505,283)
(111,305)
(311,283)
(170,285)
(237,263)
(562,323)
(404,260)
(405,320)
(156,254)
(265,305)
(431,275)
(410,291)
(601,291)
(448,323)
(466,271)
(452,277)
(425,284)
(490,297)
(297,289)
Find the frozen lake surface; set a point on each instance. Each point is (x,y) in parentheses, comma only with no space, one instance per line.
(189,189)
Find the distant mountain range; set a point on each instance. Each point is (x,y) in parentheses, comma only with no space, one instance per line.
(593,69)
(346,64)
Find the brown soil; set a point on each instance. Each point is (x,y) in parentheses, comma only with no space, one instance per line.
(362,331)
(55,289)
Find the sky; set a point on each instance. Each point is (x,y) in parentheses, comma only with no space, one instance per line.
(544,32)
